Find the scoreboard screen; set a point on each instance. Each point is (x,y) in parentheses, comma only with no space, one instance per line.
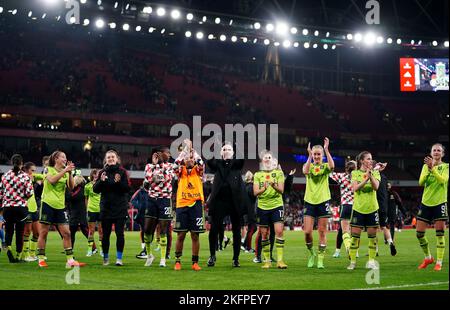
(423,74)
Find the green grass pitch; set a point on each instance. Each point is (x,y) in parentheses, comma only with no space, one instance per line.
(398,272)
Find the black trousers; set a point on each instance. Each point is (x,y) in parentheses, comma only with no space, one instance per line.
(216,219)
(15,218)
(73,230)
(119,227)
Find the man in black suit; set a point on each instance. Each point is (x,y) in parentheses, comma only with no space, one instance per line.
(226,199)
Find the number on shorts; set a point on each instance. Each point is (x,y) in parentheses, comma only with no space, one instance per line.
(281,213)
(377,217)
(444,210)
(167,210)
(199,221)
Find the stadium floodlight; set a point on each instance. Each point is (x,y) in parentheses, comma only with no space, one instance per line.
(152,29)
(210,37)
(14,12)
(44,15)
(127,6)
(282,29)
(72,20)
(116,5)
(204,19)
(147,10)
(287,44)
(315,45)
(234,39)
(83,1)
(389,40)
(175,14)
(200,35)
(161,12)
(305,32)
(399,41)
(369,38)
(188,34)
(255,40)
(51,2)
(266,42)
(327,35)
(244,39)
(296,44)
(349,36)
(138,28)
(86,22)
(163,31)
(306,45)
(223,38)
(30,13)
(446,44)
(276,44)
(270,27)
(380,40)
(126,27)
(217,20)
(294,30)
(257,26)
(231,22)
(413,42)
(1,9)
(325,46)
(435,43)
(189,16)
(316,33)
(419,43)
(99,3)
(333,47)
(58,18)
(99,23)
(358,37)
(112,25)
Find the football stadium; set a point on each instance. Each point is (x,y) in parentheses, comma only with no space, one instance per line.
(239,145)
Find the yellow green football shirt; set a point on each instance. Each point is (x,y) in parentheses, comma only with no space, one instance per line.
(32,205)
(317,185)
(435,184)
(93,198)
(365,200)
(54,194)
(270,199)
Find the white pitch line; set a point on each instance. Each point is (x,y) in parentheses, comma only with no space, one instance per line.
(400,286)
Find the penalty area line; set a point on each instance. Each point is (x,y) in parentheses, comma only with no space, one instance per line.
(400,286)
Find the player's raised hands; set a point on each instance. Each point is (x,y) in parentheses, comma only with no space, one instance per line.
(429,162)
(309,149)
(326,143)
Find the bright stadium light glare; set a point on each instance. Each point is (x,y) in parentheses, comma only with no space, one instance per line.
(446,44)
(204,19)
(234,39)
(419,43)
(244,39)
(116,5)
(83,1)
(315,45)
(296,44)
(217,20)
(44,15)
(189,16)
(255,40)
(294,30)
(51,2)
(306,45)
(99,23)
(138,28)
(389,41)
(112,25)
(349,36)
(257,26)
(188,34)
(369,38)
(305,32)
(210,37)
(435,43)
(325,46)
(266,42)
(72,20)
(175,14)
(86,22)
(163,31)
(223,38)
(380,40)
(282,28)
(333,47)
(231,22)
(277,44)
(127,6)
(316,33)
(126,27)
(287,44)
(399,41)
(147,10)
(14,12)
(161,12)
(358,37)
(30,13)
(99,3)
(270,27)
(327,35)
(152,29)
(1,9)
(200,35)
(413,42)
